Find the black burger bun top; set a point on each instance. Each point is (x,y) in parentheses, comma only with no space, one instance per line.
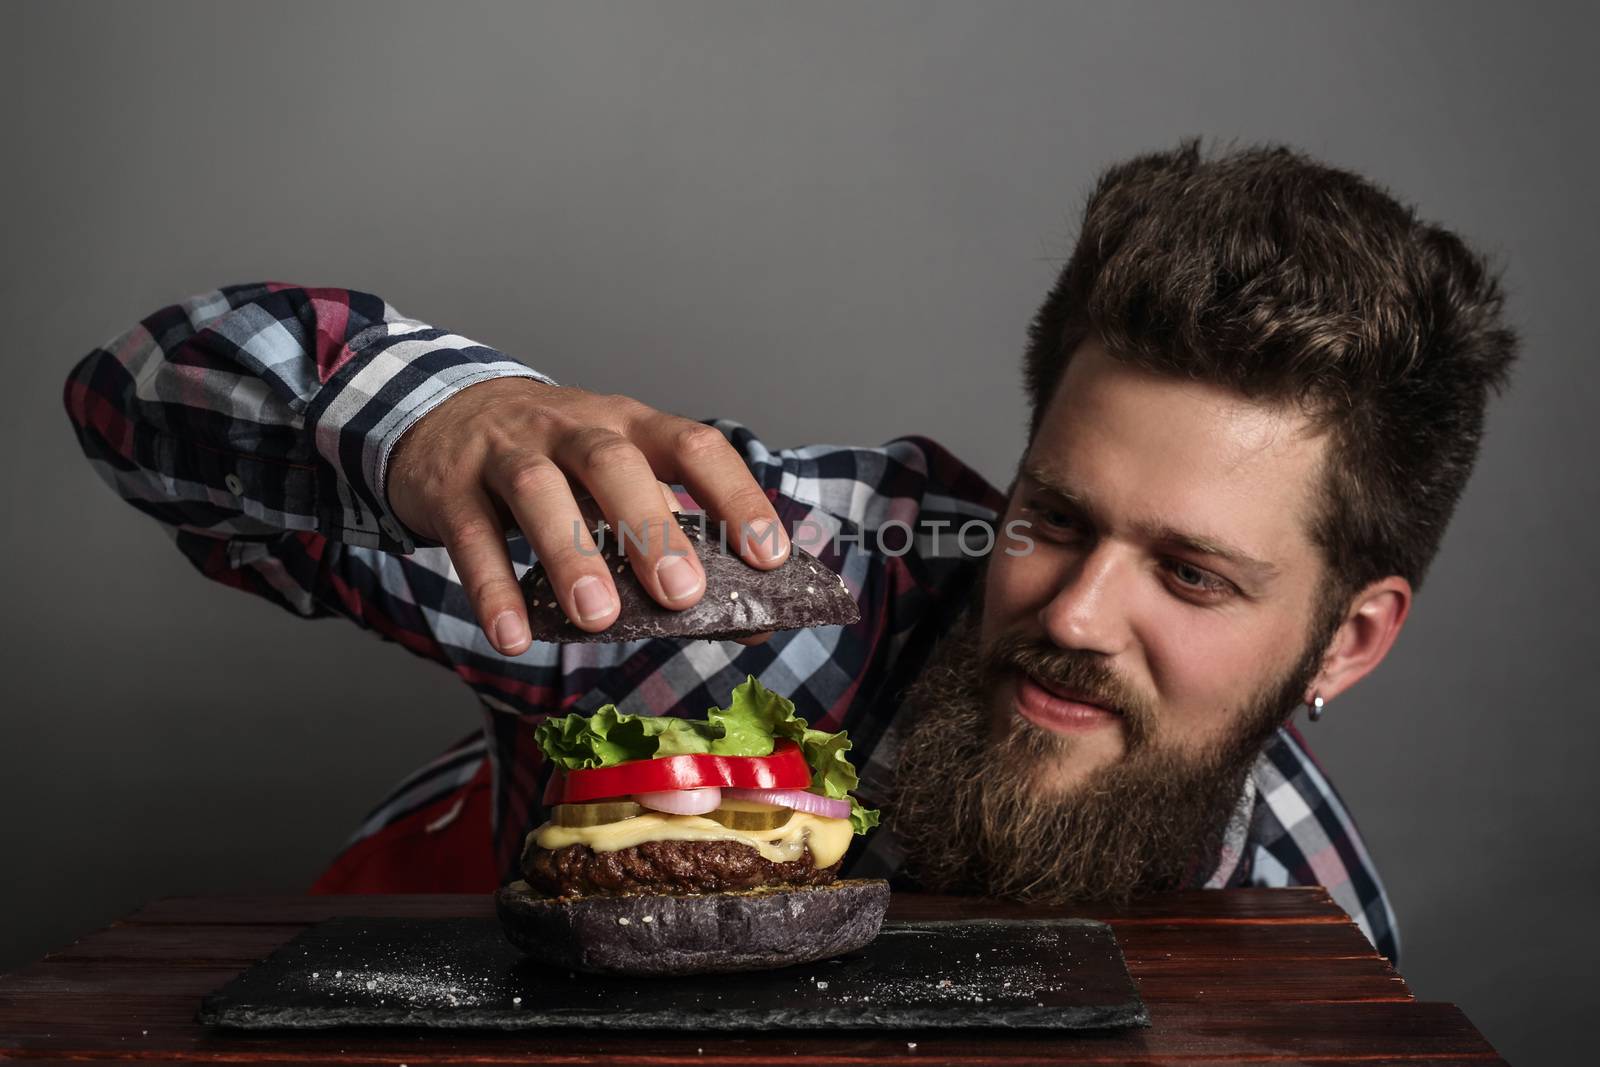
(739,599)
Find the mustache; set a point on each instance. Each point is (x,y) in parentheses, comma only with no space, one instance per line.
(1085,673)
(1149,822)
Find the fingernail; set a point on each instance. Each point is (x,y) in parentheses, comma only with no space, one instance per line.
(509,631)
(589,594)
(765,539)
(678,579)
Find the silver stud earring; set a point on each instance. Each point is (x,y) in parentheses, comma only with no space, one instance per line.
(1316,707)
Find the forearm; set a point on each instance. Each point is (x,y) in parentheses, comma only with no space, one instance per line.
(257,410)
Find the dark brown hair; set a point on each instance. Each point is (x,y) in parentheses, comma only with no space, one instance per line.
(1286,280)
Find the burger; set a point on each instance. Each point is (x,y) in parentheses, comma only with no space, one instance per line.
(679,846)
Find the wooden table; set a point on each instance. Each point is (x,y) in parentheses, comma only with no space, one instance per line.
(1259,975)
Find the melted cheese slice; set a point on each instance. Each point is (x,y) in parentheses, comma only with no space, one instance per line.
(827,838)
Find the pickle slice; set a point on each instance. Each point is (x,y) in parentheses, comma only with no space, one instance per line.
(749,815)
(595,814)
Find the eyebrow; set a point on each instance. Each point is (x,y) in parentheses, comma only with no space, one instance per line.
(1258,570)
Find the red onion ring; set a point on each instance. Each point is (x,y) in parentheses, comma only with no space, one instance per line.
(682,801)
(798,799)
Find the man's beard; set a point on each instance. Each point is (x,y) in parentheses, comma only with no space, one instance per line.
(974,815)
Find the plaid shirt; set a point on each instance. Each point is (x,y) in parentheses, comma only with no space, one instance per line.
(254,424)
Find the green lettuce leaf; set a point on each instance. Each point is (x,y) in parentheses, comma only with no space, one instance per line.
(575,742)
(749,726)
(862,819)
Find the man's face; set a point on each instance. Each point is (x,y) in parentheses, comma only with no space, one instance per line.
(1172,576)
(1084,729)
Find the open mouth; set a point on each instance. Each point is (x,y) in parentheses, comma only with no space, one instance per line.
(1058,708)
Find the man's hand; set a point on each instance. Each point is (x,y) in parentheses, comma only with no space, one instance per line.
(509,452)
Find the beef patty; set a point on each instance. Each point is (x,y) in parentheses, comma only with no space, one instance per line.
(664,867)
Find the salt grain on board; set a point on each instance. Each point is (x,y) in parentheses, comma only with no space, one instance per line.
(442,988)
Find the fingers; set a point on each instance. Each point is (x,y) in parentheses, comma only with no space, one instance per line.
(539,497)
(591,509)
(476,542)
(701,458)
(553,461)
(625,487)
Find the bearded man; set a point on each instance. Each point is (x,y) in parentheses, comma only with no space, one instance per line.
(1255,394)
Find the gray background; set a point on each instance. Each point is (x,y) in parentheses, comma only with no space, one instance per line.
(829,221)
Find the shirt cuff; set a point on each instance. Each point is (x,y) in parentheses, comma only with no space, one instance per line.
(400,372)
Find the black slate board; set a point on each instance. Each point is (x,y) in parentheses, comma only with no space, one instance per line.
(462,974)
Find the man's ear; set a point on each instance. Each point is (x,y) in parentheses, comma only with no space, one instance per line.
(1364,638)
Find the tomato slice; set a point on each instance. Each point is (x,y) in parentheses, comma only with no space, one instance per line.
(785,768)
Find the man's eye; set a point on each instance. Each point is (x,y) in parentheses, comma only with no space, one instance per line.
(1197,580)
(1051,517)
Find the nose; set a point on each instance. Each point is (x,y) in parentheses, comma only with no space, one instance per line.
(1089,612)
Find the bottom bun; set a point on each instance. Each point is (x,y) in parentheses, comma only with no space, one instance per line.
(743,930)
